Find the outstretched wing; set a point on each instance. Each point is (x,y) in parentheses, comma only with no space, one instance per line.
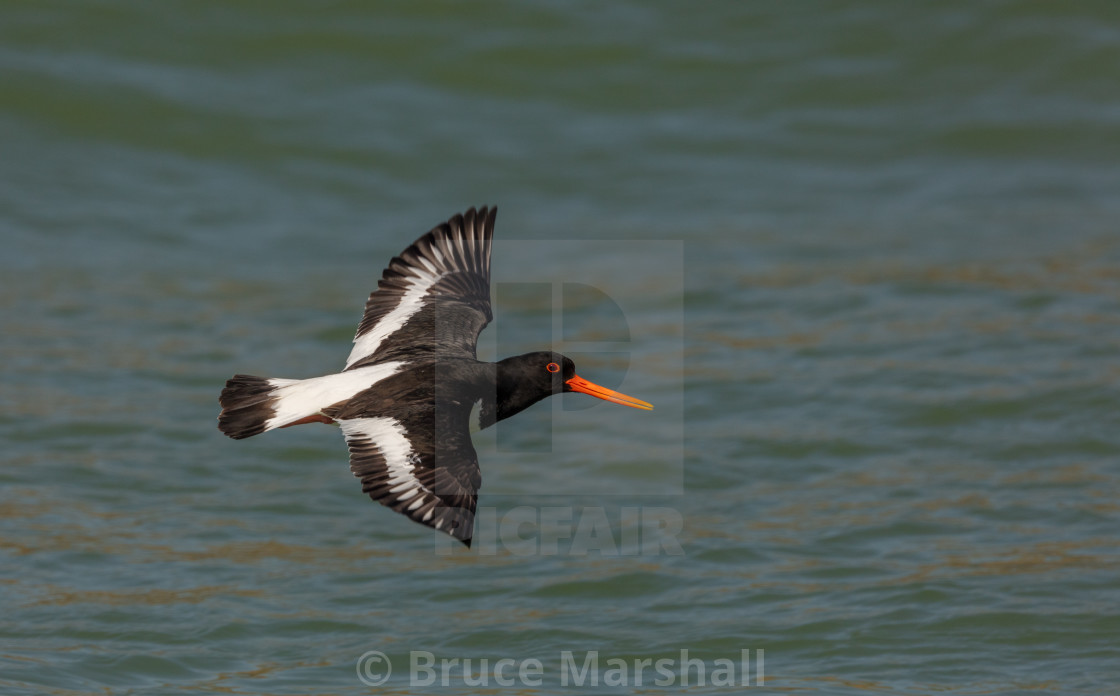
(413,452)
(433,299)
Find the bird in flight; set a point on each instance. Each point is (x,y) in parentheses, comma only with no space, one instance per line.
(405,396)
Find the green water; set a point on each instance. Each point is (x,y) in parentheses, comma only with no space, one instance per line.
(862,257)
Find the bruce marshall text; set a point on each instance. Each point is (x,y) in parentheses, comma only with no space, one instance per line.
(590,669)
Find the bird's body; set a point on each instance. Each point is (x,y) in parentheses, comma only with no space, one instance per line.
(405,397)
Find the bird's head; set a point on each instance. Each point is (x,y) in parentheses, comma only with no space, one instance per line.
(545,373)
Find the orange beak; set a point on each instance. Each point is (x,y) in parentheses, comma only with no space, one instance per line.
(581,385)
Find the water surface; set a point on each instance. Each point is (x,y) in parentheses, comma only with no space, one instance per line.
(866,264)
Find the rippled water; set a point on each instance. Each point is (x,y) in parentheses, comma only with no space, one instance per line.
(863,258)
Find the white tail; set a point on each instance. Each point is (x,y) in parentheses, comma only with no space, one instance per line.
(252,405)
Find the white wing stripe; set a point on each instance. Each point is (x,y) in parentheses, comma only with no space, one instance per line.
(412,301)
(391,440)
(457,248)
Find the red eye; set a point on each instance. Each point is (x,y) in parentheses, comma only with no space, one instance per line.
(552,367)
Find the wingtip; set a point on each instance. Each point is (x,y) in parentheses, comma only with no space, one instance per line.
(484,212)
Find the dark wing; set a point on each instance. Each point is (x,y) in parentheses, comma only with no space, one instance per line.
(433,299)
(413,456)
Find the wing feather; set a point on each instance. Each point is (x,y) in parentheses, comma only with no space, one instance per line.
(412,450)
(433,299)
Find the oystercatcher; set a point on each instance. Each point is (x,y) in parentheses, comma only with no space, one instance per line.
(405,396)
